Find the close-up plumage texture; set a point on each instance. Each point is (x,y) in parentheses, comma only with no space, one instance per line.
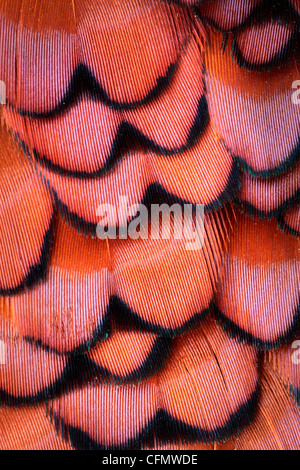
(137,342)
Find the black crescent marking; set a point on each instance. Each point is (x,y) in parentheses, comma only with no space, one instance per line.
(125,318)
(281,58)
(247,208)
(155,194)
(234,331)
(58,387)
(84,80)
(127,136)
(166,428)
(153,363)
(101,332)
(286,165)
(267,9)
(286,228)
(37,272)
